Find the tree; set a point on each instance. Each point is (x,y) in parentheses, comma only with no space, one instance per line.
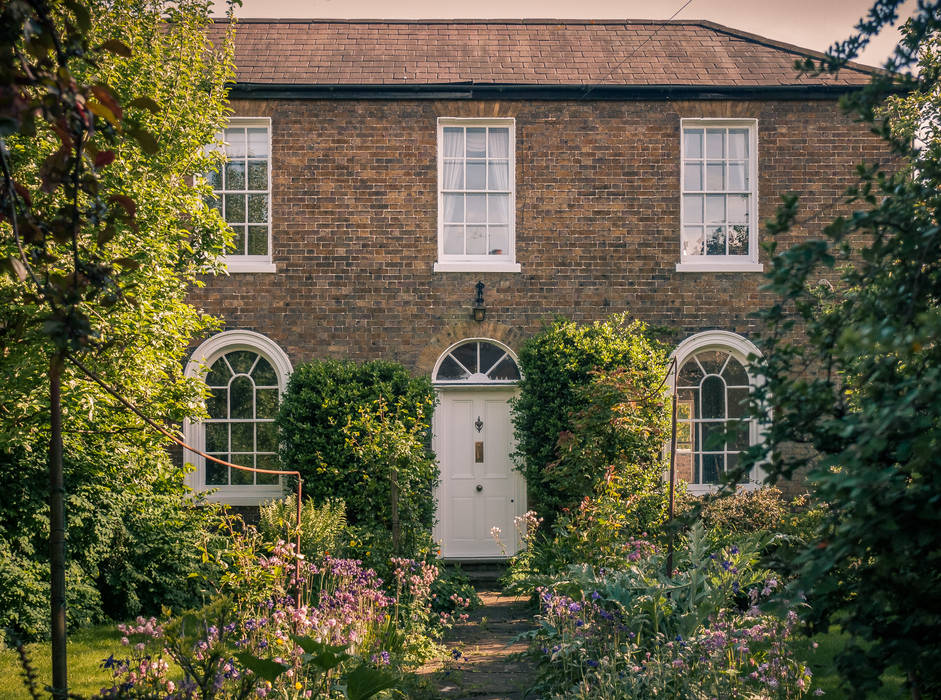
(105,109)
(853,371)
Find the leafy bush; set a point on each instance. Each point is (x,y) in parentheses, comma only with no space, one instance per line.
(354,429)
(643,632)
(562,464)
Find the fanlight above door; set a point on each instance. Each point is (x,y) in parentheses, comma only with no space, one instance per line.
(476,362)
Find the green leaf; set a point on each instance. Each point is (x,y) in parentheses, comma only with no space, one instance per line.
(323,656)
(363,682)
(145,103)
(267,669)
(116,47)
(145,139)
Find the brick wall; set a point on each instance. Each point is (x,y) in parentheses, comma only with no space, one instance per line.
(354,210)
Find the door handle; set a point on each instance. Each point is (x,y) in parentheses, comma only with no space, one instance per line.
(480,487)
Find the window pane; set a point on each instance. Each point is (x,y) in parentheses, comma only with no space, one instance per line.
(476,175)
(243,437)
(712,467)
(467,356)
(734,373)
(453,142)
(216,474)
(715,208)
(499,174)
(258,208)
(267,462)
(498,208)
(453,175)
(454,208)
(692,240)
(737,402)
(476,208)
(450,369)
(715,143)
(238,240)
(742,440)
(499,142)
(257,240)
(693,143)
(692,208)
(738,208)
(214,202)
(712,361)
(258,143)
(712,440)
(267,437)
(476,240)
(241,392)
(235,208)
(715,240)
(214,179)
(263,374)
(454,240)
(235,175)
(219,374)
(499,240)
(692,176)
(690,374)
(715,177)
(738,240)
(241,361)
(217,437)
(217,403)
(476,142)
(712,392)
(489,355)
(506,370)
(738,176)
(738,143)
(239,477)
(257,175)
(267,403)
(235,143)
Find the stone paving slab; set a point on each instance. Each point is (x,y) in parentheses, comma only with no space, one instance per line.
(484,670)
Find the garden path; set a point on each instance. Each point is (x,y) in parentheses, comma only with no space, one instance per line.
(484,670)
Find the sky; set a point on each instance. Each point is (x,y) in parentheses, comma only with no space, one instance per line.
(812,24)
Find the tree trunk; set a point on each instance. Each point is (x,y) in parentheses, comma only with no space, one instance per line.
(57,532)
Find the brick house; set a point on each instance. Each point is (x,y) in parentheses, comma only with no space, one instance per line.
(378,170)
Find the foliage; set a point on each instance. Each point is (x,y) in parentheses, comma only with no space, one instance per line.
(349,429)
(99,146)
(557,364)
(343,633)
(453,591)
(860,388)
(323,527)
(641,632)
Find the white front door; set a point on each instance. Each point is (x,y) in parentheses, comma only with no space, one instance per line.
(479,489)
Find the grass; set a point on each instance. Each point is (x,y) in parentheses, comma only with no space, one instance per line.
(822,662)
(87,648)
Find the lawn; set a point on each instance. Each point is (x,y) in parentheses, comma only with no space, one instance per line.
(87,648)
(821,662)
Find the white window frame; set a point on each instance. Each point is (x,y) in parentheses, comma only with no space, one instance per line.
(253,263)
(194,431)
(478,263)
(723,263)
(476,380)
(739,348)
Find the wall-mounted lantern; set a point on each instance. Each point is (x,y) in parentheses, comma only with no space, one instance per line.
(480,311)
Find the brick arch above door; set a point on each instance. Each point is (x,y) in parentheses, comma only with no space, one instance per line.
(456,332)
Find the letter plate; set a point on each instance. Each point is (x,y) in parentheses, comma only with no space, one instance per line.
(479,452)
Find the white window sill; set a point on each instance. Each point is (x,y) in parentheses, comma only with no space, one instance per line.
(719,267)
(706,489)
(234,264)
(505,266)
(245,496)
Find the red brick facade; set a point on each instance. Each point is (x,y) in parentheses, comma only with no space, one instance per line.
(354,213)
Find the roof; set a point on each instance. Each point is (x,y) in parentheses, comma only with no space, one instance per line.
(604,53)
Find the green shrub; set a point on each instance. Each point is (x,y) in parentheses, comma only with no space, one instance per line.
(567,433)
(357,432)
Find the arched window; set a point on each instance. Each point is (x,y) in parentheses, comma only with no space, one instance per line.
(245,373)
(713,384)
(476,361)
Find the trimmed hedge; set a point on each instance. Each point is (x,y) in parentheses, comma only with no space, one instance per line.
(346,426)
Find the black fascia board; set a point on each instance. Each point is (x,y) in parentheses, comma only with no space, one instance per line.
(472,91)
